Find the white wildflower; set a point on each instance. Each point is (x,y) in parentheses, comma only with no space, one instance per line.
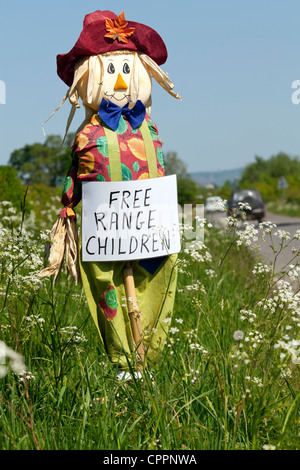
(261,269)
(267,225)
(231,221)
(238,335)
(23,376)
(255,380)
(72,334)
(244,206)
(10,358)
(291,348)
(282,234)
(174,330)
(297,235)
(198,347)
(247,315)
(221,205)
(247,236)
(210,273)
(294,272)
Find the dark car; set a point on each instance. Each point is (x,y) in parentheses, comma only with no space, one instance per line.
(247,201)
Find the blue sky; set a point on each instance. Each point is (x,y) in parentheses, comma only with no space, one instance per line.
(232,61)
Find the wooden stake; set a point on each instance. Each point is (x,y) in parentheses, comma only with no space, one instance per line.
(134,313)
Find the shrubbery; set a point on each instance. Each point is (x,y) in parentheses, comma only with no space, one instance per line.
(11,187)
(264,175)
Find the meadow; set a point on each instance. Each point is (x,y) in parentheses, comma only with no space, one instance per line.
(228,378)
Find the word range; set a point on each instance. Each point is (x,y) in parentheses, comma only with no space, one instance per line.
(127,220)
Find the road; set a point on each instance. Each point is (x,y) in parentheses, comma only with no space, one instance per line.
(283,223)
(290,225)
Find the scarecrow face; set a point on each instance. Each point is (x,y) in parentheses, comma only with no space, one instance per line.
(117,71)
(117,80)
(121,78)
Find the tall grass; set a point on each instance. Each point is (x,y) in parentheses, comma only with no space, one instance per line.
(228,377)
(290,209)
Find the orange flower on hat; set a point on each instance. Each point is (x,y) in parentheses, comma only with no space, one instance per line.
(117,28)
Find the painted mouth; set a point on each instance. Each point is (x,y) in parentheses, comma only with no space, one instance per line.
(117,99)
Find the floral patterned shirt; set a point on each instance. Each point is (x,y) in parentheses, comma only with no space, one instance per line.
(90,159)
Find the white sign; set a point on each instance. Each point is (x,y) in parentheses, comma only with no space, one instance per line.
(127,220)
(282,183)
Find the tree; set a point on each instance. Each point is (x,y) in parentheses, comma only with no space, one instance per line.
(265,174)
(283,165)
(275,167)
(173,164)
(42,163)
(188,189)
(255,171)
(11,187)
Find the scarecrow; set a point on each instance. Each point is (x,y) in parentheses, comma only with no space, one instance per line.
(110,69)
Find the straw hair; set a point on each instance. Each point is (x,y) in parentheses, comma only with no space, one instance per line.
(159,75)
(63,246)
(91,93)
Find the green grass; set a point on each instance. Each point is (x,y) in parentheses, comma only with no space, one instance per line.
(209,391)
(291,209)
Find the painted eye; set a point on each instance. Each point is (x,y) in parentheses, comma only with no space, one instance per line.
(126,68)
(111,68)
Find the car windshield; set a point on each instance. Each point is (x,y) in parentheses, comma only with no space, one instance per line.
(245,194)
(213,199)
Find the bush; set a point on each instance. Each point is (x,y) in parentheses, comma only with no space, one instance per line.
(37,204)
(11,187)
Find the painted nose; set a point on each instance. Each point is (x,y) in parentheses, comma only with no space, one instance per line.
(120,83)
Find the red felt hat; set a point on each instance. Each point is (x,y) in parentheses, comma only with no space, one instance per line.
(104,31)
